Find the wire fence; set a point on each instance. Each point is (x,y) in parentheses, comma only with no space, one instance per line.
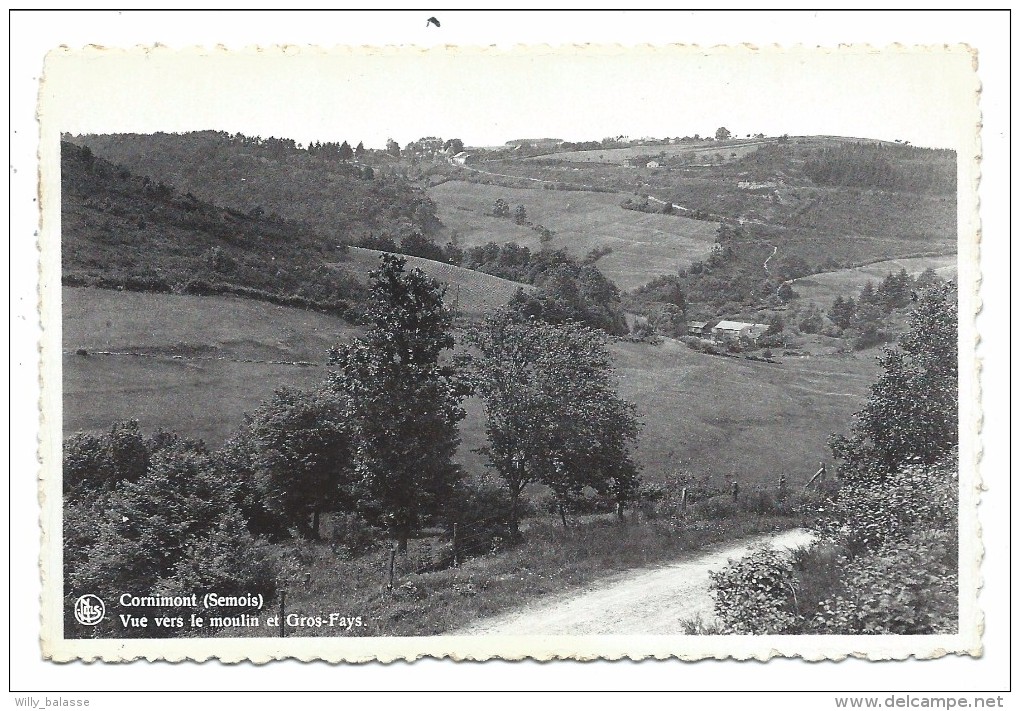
(461,540)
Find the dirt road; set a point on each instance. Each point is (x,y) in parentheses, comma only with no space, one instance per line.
(637,602)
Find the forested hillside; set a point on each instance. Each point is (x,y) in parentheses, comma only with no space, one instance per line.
(339,199)
(130,232)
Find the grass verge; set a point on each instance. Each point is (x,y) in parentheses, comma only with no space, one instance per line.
(551,560)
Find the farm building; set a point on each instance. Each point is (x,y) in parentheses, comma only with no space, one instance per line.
(652,164)
(461,158)
(736,329)
(698,328)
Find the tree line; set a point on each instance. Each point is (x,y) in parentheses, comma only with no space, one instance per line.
(567,289)
(377,439)
(867,165)
(125,231)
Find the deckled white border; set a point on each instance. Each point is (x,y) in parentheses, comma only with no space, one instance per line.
(503,647)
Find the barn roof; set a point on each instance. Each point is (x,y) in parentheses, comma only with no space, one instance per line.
(733,325)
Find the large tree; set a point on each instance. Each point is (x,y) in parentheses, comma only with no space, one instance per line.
(912,414)
(404,403)
(296,450)
(553,413)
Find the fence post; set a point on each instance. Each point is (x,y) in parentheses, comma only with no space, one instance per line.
(683,502)
(456,562)
(283,613)
(393,558)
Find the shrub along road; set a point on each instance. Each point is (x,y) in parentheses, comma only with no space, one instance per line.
(659,601)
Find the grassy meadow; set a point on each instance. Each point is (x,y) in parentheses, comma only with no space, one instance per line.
(823,288)
(644,245)
(730,417)
(199,399)
(622,155)
(475,293)
(713,415)
(105,319)
(193,377)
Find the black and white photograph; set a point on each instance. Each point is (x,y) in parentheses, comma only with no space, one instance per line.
(358,353)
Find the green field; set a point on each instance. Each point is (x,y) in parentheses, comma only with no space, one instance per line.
(824,287)
(203,361)
(713,415)
(103,319)
(726,149)
(724,417)
(720,417)
(621,156)
(474,293)
(644,245)
(191,376)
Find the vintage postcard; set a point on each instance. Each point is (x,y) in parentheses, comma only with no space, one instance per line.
(576,352)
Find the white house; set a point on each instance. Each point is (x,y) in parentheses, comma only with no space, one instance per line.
(736,329)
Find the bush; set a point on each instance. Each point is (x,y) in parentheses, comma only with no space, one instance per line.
(887,562)
(909,587)
(381,243)
(817,570)
(481,510)
(665,500)
(97,463)
(352,536)
(811,323)
(754,594)
(173,531)
(771,340)
(759,501)
(718,506)
(868,514)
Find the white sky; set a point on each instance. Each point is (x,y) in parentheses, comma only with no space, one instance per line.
(487,97)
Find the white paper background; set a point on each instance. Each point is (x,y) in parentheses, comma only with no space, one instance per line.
(33,34)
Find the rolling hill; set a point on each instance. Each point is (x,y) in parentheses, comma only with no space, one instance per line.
(200,363)
(699,152)
(338,200)
(468,292)
(830,201)
(644,245)
(123,231)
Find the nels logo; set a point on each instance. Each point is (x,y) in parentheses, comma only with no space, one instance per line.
(89,610)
